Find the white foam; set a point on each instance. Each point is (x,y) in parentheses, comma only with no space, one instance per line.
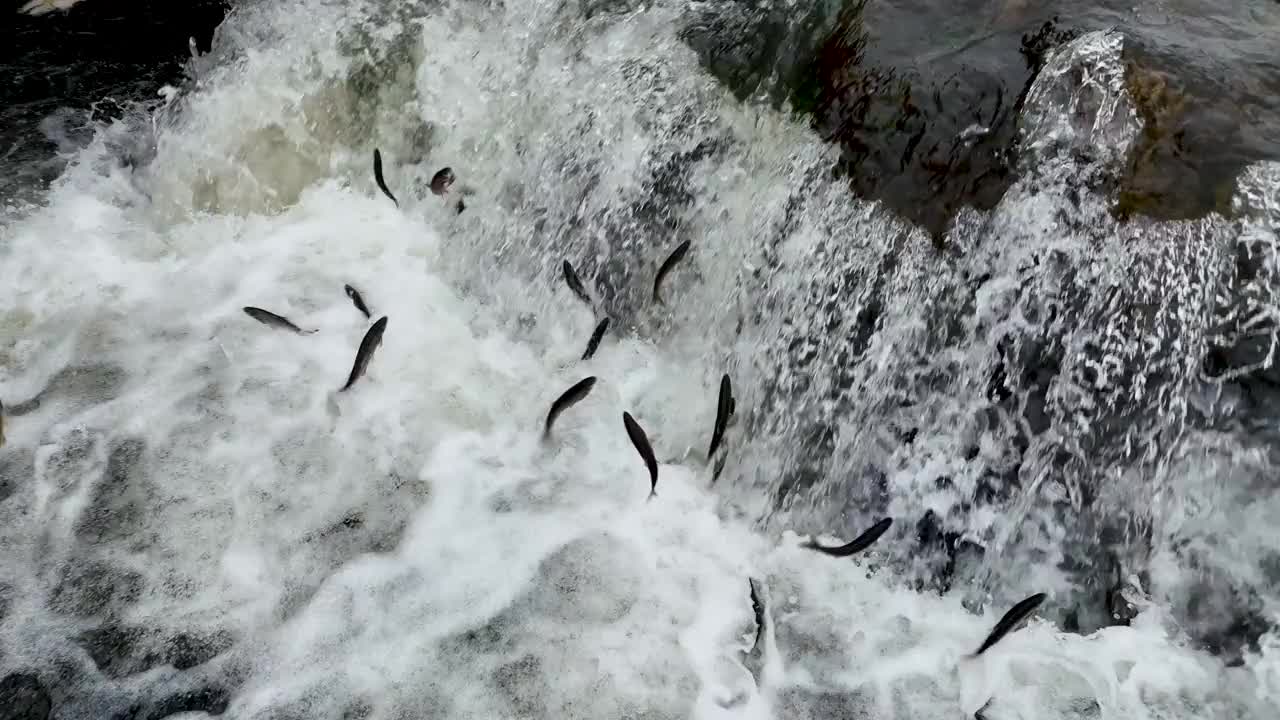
(583,599)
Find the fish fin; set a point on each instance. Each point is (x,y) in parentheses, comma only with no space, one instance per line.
(310,332)
(652,494)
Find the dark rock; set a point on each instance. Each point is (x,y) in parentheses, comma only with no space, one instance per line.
(116,511)
(22,697)
(114,650)
(211,700)
(17,466)
(119,651)
(521,681)
(93,587)
(804,704)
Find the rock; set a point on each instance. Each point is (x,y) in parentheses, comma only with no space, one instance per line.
(94,587)
(22,697)
(119,651)
(116,511)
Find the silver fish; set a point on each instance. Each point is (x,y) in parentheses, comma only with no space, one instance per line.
(641,441)
(273,320)
(372,339)
(860,543)
(676,256)
(568,399)
(1011,620)
(724,408)
(377,175)
(596,336)
(357,300)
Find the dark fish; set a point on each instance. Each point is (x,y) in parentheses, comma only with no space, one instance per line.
(273,320)
(718,468)
(441,181)
(860,543)
(568,399)
(368,345)
(1121,610)
(377,175)
(596,336)
(641,441)
(754,659)
(1011,619)
(724,408)
(575,283)
(359,301)
(460,207)
(676,256)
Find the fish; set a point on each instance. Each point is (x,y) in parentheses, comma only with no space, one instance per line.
(568,399)
(377,175)
(1011,619)
(718,468)
(860,543)
(359,301)
(273,320)
(754,660)
(641,441)
(575,284)
(676,256)
(724,408)
(596,336)
(372,339)
(441,181)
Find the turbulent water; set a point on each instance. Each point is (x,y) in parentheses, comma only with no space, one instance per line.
(192,519)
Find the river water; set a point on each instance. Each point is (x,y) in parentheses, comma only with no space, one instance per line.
(1049,385)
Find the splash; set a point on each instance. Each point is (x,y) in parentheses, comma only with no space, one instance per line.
(188,528)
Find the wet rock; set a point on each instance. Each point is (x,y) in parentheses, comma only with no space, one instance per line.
(113,649)
(94,587)
(119,651)
(116,510)
(17,466)
(86,384)
(521,682)
(6,600)
(211,700)
(797,703)
(71,461)
(22,697)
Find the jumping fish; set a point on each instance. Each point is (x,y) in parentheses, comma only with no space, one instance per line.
(442,180)
(676,256)
(754,659)
(596,336)
(575,283)
(568,399)
(641,441)
(372,339)
(724,408)
(357,300)
(860,543)
(273,320)
(1011,620)
(377,175)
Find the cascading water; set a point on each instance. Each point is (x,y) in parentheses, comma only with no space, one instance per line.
(191,519)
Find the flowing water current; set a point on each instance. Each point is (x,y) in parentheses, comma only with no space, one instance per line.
(193,520)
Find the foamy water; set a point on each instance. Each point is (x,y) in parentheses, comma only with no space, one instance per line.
(421,552)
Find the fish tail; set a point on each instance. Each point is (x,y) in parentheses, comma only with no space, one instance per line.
(652,494)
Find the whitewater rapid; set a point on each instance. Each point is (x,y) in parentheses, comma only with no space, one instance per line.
(187,525)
